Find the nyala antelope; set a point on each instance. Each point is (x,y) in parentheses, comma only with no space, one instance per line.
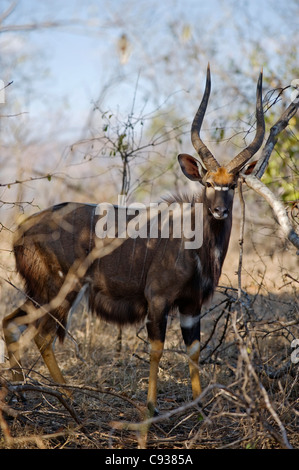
(140,279)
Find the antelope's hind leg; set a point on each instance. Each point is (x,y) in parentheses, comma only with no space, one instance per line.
(44,343)
(18,332)
(14,326)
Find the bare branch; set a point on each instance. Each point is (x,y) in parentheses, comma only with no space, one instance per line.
(32,178)
(7,12)
(279,126)
(34,26)
(253,180)
(263,393)
(254,183)
(8,84)
(241,238)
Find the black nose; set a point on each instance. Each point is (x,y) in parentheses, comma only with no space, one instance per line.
(221,211)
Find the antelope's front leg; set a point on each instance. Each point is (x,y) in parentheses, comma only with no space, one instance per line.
(156,327)
(190,326)
(156,351)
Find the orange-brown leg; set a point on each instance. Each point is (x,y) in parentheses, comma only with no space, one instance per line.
(45,346)
(193,354)
(13,327)
(190,326)
(156,352)
(156,328)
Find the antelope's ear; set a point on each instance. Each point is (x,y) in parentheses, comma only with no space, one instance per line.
(191,167)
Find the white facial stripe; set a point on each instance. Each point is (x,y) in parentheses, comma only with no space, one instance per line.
(187,321)
(217,253)
(221,188)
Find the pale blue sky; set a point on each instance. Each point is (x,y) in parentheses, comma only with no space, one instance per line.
(68,67)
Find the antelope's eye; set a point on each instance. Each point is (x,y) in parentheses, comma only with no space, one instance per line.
(209,185)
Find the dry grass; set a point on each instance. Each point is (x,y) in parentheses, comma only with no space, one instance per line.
(250,390)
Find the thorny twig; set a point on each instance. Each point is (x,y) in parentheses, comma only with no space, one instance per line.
(277,206)
(278,127)
(253,180)
(21,388)
(241,239)
(252,373)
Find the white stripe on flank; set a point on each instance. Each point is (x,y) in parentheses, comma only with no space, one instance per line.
(198,263)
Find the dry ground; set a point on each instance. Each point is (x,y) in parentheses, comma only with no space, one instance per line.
(250,397)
